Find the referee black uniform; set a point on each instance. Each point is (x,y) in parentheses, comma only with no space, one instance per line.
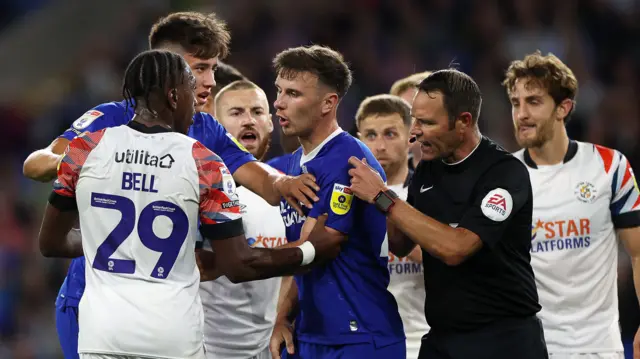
(486,306)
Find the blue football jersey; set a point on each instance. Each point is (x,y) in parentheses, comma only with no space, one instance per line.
(205,129)
(281,162)
(345,301)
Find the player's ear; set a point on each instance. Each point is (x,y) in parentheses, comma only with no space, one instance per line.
(270,124)
(172,98)
(564,108)
(463,122)
(329,102)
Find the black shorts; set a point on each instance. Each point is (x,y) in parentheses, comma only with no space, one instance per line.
(520,338)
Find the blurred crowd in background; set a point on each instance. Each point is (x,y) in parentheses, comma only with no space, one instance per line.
(60,58)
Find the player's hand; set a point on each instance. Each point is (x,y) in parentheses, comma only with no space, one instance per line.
(326,243)
(636,345)
(282,333)
(298,190)
(366,182)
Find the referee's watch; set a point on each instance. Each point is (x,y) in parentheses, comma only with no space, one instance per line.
(385,200)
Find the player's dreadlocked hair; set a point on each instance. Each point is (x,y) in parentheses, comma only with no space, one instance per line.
(152,72)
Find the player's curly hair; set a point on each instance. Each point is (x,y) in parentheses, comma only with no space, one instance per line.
(152,72)
(327,64)
(546,71)
(200,35)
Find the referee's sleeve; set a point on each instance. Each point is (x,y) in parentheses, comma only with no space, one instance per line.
(501,195)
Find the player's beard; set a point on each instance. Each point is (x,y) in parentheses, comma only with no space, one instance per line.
(262,149)
(544,133)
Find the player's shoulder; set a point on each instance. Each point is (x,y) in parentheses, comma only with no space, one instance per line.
(114,113)
(607,159)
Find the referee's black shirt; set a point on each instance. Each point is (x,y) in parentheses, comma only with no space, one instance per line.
(489,194)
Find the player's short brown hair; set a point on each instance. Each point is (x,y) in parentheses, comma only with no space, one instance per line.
(202,36)
(408,82)
(322,61)
(546,71)
(381,105)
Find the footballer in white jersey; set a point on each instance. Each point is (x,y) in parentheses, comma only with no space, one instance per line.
(585,200)
(139,211)
(239,317)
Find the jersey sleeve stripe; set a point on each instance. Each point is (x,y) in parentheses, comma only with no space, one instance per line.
(72,162)
(607,156)
(627,174)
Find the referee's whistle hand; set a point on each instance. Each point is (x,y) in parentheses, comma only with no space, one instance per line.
(366,182)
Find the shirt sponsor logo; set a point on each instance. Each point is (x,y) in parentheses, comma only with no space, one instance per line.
(266,242)
(497,205)
(560,235)
(289,215)
(341,199)
(403,266)
(142,157)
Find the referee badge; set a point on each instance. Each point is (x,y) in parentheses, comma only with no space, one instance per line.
(341,199)
(497,205)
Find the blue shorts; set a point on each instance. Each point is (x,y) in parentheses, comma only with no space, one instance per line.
(67,327)
(348,351)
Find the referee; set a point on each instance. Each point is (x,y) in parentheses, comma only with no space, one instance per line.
(469,208)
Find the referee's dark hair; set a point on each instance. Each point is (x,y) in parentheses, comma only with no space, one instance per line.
(152,73)
(460,93)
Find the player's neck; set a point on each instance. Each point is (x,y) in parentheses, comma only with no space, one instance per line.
(398,175)
(149,119)
(466,148)
(553,151)
(318,135)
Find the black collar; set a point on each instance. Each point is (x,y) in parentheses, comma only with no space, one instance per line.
(140,127)
(571,153)
(408,179)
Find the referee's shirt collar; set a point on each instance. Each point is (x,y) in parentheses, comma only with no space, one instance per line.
(467,161)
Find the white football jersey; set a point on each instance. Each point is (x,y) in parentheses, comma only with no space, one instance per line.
(407,286)
(140,197)
(239,318)
(577,206)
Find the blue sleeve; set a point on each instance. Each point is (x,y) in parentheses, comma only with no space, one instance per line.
(281,163)
(218,140)
(100,117)
(336,198)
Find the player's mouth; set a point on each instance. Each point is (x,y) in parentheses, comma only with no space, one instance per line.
(526,130)
(283,121)
(249,138)
(202,97)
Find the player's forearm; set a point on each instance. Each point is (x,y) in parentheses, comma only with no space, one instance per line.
(287,300)
(635,265)
(259,181)
(56,237)
(41,165)
(262,263)
(451,245)
(399,243)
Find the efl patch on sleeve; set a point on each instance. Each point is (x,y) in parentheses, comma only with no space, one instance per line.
(497,205)
(85,120)
(235,140)
(341,199)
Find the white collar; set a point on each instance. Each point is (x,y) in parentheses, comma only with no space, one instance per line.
(311,155)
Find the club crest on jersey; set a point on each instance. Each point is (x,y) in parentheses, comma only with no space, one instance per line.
(235,140)
(585,192)
(85,120)
(341,199)
(497,205)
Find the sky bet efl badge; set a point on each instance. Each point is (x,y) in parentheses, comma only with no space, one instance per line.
(341,199)
(85,120)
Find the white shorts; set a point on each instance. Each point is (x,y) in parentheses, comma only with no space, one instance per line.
(118,356)
(264,354)
(619,355)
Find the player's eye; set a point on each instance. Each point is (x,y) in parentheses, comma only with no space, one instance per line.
(391,134)
(371,136)
(258,112)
